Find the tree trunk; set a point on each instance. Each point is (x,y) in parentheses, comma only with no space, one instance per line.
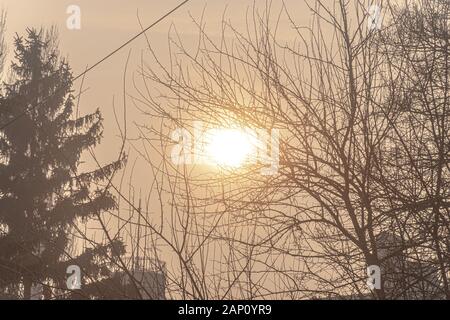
(27,288)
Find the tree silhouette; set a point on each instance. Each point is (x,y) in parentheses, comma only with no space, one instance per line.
(42,194)
(363,175)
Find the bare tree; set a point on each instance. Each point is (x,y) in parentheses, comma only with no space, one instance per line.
(341,97)
(415,171)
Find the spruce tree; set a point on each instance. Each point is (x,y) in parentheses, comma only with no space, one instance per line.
(42,194)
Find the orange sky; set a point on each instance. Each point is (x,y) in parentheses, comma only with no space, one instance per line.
(106,24)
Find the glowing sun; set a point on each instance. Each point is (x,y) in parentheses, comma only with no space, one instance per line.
(229,147)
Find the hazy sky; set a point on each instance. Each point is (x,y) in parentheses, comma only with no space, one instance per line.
(106,24)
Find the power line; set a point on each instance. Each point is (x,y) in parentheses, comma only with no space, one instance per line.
(97,63)
(132,39)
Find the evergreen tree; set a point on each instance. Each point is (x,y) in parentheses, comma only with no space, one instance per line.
(42,195)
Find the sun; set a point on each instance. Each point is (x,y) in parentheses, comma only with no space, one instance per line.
(229,147)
